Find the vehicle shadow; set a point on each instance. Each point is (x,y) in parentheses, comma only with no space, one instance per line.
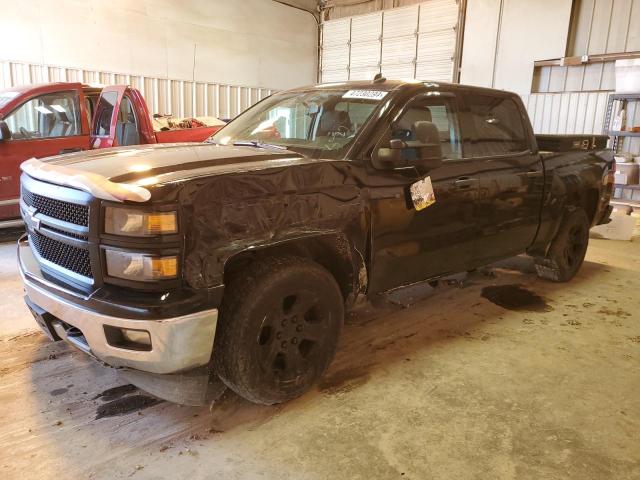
(396,329)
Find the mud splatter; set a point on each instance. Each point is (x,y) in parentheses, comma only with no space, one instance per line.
(123,406)
(115,393)
(344,380)
(58,391)
(515,297)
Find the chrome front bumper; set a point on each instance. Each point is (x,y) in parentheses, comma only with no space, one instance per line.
(177,344)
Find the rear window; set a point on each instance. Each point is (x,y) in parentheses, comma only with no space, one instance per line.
(104,114)
(493,126)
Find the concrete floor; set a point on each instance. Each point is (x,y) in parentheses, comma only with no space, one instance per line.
(453,386)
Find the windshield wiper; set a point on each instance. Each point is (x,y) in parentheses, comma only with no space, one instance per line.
(258,144)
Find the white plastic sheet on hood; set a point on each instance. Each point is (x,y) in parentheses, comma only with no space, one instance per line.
(95,184)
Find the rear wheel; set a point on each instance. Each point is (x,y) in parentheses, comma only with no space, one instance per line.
(567,251)
(278,330)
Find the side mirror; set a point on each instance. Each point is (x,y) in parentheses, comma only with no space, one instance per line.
(425,152)
(5,133)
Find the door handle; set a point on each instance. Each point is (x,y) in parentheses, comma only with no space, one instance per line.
(465,182)
(534,174)
(69,150)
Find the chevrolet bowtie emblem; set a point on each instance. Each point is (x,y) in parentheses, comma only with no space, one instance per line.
(31,220)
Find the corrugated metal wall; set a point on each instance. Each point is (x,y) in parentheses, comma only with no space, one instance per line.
(182,98)
(604,26)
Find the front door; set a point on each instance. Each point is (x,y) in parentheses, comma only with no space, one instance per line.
(104,130)
(43,126)
(408,245)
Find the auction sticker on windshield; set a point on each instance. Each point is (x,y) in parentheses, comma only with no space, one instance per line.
(365,94)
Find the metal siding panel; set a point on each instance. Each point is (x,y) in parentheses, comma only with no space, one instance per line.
(366,28)
(546,113)
(592,77)
(436,46)
(608,76)
(398,71)
(557,79)
(555,113)
(633,35)
(436,71)
(575,76)
(401,22)
(335,75)
(366,54)
(399,51)
(438,15)
(600,112)
(600,27)
(563,116)
(544,78)
(590,113)
(538,117)
(581,112)
(336,32)
(572,118)
(364,73)
(335,57)
(618,27)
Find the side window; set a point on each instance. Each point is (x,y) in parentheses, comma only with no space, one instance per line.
(126,126)
(492,126)
(439,111)
(47,116)
(104,113)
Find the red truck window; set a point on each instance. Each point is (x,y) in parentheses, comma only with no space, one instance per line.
(104,114)
(47,116)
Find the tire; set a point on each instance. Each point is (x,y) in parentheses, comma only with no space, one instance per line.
(567,250)
(278,331)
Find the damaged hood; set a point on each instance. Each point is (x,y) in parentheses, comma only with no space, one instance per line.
(148,165)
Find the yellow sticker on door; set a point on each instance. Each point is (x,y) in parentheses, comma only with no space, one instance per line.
(422,194)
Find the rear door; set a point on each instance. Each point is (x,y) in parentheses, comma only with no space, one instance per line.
(105,120)
(497,141)
(43,125)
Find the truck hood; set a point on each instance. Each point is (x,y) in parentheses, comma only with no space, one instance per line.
(164,163)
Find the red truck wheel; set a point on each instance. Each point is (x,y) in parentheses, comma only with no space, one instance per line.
(278,330)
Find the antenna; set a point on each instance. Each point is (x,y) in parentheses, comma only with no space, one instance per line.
(379,78)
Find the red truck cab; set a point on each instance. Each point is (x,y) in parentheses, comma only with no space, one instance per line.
(57,118)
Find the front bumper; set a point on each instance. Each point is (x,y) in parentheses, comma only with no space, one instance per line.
(178,344)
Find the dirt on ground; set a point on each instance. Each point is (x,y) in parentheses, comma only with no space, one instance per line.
(493,375)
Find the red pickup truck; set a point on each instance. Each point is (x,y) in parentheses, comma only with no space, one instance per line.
(56,118)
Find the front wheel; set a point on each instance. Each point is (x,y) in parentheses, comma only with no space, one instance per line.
(278,330)
(568,249)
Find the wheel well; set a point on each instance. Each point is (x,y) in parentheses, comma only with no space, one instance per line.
(587,200)
(332,252)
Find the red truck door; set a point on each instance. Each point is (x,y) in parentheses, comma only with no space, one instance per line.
(44,124)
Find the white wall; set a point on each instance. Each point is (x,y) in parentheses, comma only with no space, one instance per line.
(522,31)
(257,43)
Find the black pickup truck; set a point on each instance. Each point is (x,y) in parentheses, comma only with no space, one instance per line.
(241,261)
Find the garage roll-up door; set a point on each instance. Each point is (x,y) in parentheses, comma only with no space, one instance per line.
(418,41)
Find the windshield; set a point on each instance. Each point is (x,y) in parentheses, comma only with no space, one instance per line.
(315,123)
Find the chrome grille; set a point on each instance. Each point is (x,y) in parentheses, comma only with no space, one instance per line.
(58,209)
(67,256)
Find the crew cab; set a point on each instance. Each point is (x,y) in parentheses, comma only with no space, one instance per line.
(237,259)
(56,118)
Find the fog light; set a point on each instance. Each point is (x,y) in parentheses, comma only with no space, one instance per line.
(136,336)
(128,338)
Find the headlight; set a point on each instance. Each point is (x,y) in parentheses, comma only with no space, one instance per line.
(141,266)
(137,223)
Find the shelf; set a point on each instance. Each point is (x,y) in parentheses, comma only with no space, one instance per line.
(625,96)
(616,133)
